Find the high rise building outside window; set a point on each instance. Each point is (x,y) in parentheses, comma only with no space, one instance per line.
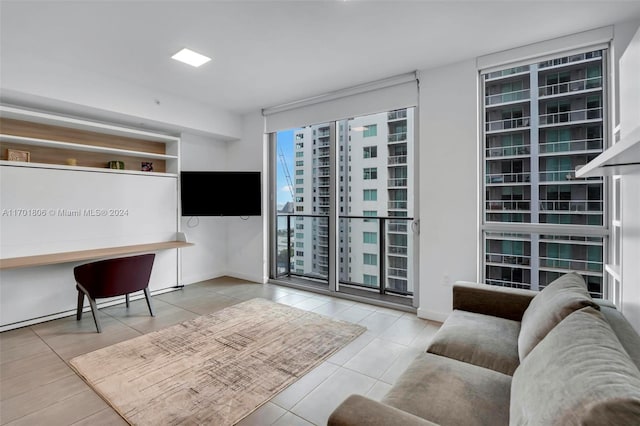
(541,121)
(374,184)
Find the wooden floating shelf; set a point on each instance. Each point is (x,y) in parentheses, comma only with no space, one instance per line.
(75,256)
(81,147)
(84,169)
(81,124)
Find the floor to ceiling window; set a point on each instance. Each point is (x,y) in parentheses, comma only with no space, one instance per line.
(376,204)
(541,121)
(345,195)
(371,174)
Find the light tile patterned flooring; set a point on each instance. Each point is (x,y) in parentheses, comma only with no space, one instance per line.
(38,387)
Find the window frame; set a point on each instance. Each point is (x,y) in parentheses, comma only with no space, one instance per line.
(487,227)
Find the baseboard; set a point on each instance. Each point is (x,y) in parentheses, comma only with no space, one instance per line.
(202,277)
(246,277)
(117,301)
(240,276)
(432,315)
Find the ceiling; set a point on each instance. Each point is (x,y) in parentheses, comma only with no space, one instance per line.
(270,52)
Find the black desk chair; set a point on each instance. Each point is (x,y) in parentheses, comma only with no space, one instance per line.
(113,277)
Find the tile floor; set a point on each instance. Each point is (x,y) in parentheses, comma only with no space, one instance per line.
(38,387)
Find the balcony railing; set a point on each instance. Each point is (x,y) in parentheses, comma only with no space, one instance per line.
(397,159)
(318,227)
(572,145)
(397,249)
(396,205)
(397,137)
(509,259)
(506,151)
(323,152)
(507,72)
(396,115)
(571,116)
(500,98)
(570,86)
(524,205)
(592,206)
(507,283)
(507,124)
(557,175)
(397,182)
(497,178)
(397,272)
(397,228)
(570,264)
(571,59)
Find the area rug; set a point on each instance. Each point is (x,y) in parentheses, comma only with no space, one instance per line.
(215,369)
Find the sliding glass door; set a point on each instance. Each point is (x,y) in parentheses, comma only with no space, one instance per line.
(345,204)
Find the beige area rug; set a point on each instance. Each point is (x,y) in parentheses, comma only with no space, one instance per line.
(215,369)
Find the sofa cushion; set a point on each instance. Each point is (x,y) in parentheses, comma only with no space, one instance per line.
(478,339)
(358,410)
(563,296)
(578,374)
(450,392)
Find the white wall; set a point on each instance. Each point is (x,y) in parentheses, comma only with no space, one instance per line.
(248,255)
(230,246)
(448,167)
(208,257)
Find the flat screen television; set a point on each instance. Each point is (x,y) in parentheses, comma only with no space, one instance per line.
(206,193)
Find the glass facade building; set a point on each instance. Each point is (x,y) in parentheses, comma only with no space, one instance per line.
(374,186)
(542,120)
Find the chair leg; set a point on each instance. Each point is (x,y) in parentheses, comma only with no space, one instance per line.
(94,311)
(147,296)
(80,305)
(126,299)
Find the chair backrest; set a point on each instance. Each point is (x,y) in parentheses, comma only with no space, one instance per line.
(115,277)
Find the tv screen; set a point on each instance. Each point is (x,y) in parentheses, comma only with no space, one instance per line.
(220,193)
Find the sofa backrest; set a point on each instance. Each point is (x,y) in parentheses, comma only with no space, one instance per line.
(579,373)
(628,337)
(560,298)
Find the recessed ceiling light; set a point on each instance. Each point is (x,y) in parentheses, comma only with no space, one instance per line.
(190,57)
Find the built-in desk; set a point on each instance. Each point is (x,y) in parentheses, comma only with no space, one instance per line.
(74,256)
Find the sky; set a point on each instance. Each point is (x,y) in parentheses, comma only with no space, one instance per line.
(285,146)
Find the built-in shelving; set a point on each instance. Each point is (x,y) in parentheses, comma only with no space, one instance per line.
(78,144)
(83,147)
(83,169)
(16,113)
(620,159)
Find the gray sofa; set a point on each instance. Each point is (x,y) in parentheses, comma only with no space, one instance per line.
(510,356)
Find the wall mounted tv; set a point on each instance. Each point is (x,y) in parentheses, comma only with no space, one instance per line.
(220,193)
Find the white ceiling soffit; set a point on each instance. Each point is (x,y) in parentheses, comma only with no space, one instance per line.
(273,52)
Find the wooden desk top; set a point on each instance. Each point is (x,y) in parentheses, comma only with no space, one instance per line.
(74,256)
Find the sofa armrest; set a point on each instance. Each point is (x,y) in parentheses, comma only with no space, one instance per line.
(358,410)
(503,302)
